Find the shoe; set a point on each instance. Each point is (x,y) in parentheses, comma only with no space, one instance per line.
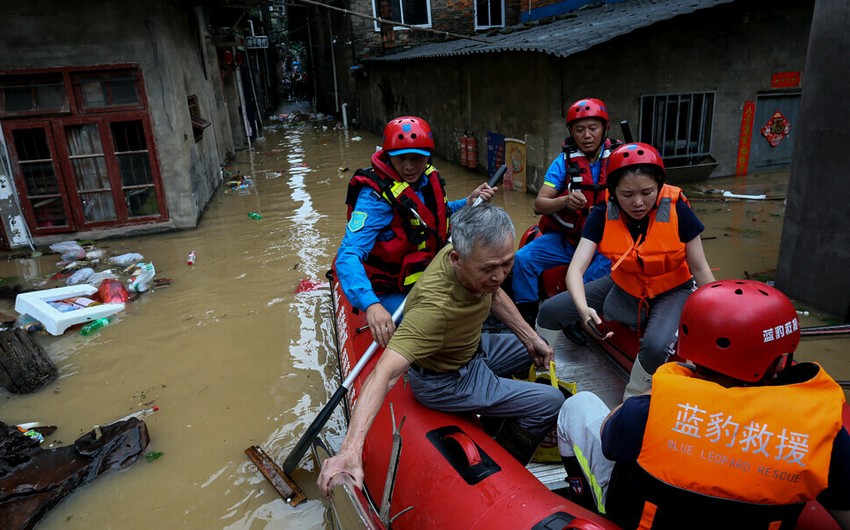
(576,334)
(578,489)
(520,443)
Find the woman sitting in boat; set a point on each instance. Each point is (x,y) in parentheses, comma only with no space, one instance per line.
(453,366)
(740,439)
(649,232)
(397,221)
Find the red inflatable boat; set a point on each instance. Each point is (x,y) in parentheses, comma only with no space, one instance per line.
(450,475)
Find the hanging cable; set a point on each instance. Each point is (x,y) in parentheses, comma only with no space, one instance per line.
(393,22)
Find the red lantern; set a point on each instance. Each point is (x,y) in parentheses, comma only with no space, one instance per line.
(228,57)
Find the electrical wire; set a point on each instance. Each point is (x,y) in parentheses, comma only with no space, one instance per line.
(393,22)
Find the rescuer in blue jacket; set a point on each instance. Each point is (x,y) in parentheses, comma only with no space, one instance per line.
(398,219)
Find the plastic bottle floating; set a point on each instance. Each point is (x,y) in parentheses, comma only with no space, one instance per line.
(190,260)
(254,215)
(94,325)
(141,283)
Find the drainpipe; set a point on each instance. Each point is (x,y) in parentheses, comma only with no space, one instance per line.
(333,63)
(345,115)
(244,110)
(312,66)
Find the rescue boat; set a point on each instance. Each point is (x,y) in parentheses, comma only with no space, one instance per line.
(426,469)
(448,473)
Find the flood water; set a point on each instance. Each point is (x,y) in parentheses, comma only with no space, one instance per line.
(233,356)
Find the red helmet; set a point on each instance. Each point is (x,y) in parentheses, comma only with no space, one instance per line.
(408,134)
(587,108)
(632,155)
(738,328)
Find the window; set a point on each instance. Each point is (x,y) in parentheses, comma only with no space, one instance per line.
(198,123)
(134,165)
(410,12)
(41,181)
(33,94)
(82,147)
(107,90)
(678,125)
(489,13)
(88,165)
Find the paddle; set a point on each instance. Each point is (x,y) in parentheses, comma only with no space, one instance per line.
(493,182)
(313,430)
(825,331)
(627,132)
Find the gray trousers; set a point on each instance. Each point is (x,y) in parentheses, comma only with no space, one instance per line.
(484,386)
(657,339)
(579,424)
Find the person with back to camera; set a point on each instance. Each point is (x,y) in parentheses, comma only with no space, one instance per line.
(398,219)
(738,438)
(574,183)
(651,235)
(451,365)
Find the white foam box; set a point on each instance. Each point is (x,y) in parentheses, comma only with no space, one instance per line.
(36,304)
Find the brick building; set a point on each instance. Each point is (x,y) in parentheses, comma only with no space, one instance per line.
(701,79)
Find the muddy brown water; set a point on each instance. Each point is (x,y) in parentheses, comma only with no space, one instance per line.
(233,356)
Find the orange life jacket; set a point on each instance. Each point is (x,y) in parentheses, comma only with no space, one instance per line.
(396,264)
(647,267)
(579,177)
(766,445)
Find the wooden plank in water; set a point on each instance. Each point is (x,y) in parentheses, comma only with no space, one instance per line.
(24,365)
(285,486)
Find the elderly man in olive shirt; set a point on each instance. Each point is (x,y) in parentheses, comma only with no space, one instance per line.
(453,367)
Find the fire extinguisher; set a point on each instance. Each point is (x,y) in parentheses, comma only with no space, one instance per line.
(471,152)
(463,153)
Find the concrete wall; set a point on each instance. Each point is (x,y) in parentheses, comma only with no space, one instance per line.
(456,97)
(176,58)
(732,50)
(814,252)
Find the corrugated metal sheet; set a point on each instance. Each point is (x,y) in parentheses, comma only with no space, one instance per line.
(574,32)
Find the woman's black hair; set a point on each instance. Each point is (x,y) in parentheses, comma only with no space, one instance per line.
(650,170)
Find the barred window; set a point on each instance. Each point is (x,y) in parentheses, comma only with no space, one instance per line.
(678,125)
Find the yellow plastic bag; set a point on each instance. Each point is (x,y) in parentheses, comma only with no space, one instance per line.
(547,452)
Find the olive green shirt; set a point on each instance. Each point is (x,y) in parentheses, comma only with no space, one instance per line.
(442,319)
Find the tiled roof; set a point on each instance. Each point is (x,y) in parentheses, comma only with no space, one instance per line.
(564,36)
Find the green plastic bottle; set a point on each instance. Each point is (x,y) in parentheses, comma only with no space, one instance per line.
(94,325)
(254,215)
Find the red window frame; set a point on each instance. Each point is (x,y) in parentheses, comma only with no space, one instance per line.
(55,124)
